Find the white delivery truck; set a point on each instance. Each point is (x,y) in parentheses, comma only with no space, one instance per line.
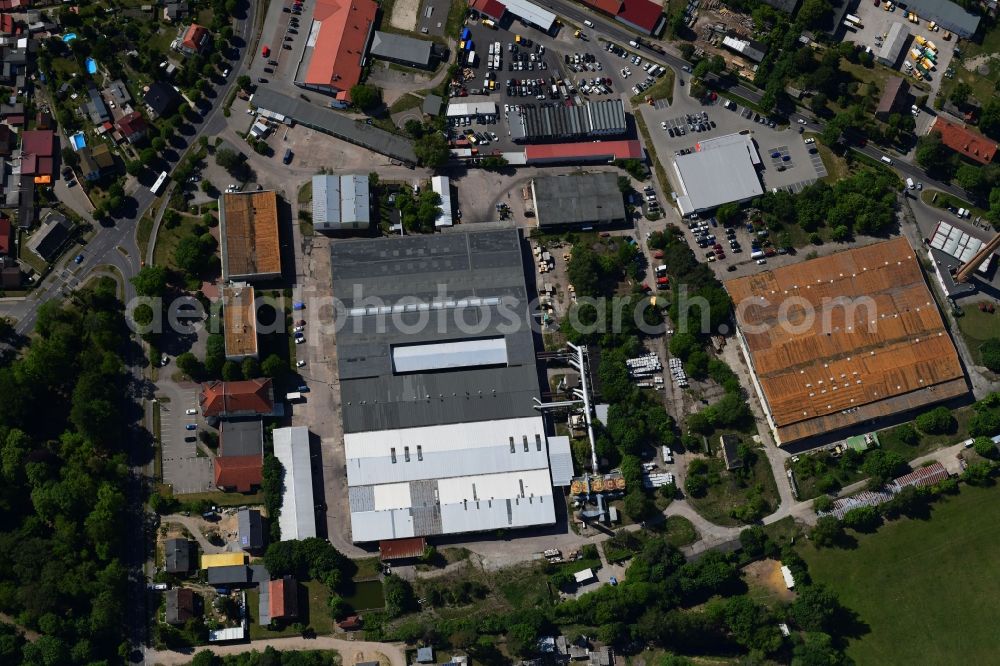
(294,396)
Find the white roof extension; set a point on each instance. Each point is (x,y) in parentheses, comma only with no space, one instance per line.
(953,241)
(531,13)
(445,355)
(298,516)
(442,186)
(448,479)
(462,109)
(720,171)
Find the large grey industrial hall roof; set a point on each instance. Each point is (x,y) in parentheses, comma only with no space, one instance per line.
(477,278)
(589,198)
(339,125)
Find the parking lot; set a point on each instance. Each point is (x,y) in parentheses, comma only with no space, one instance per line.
(580,70)
(876,22)
(183,468)
(284,35)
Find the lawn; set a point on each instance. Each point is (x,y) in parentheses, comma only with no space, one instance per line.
(318,617)
(927,590)
(680,531)
(943,201)
(977,327)
(406,102)
(168,239)
(662,89)
(731,491)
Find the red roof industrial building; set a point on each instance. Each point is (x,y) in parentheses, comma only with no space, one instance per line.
(584,151)
(642,15)
(245,398)
(964,141)
(336,58)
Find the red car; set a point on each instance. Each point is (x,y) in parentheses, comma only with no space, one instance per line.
(658,254)
(265,51)
(717,247)
(662,281)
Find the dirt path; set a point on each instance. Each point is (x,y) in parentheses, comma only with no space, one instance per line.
(351,652)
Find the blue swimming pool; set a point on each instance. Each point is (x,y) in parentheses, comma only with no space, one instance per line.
(69,37)
(79,141)
(91,66)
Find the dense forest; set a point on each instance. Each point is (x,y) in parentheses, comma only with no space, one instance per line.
(62,498)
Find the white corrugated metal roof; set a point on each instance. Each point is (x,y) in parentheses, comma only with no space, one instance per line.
(560,461)
(531,13)
(298,516)
(494,486)
(955,242)
(460,109)
(434,452)
(442,186)
(445,355)
(720,172)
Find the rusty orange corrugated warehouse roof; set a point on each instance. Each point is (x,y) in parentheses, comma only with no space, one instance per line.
(248,224)
(888,353)
(340,42)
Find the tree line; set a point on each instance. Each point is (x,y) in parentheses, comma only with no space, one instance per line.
(63,445)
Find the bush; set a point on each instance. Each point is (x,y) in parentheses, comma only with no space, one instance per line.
(938,421)
(990,352)
(863,519)
(985,447)
(822,504)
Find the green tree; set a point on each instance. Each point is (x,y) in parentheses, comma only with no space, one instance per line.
(250,368)
(432,150)
(816,608)
(960,94)
(189,364)
(828,532)
(274,366)
(863,519)
(937,421)
(399,596)
(231,371)
(365,96)
(989,351)
(150,281)
(881,466)
(637,504)
(985,447)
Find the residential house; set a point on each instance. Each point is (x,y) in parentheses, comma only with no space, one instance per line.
(6,236)
(161,99)
(88,166)
(196,40)
(132,126)
(250,528)
(50,237)
(8,140)
(38,149)
(239,575)
(226,400)
(174,10)
(964,141)
(602,657)
(103,156)
(96,108)
(283,598)
(180,605)
(10,273)
(119,94)
(240,463)
(177,556)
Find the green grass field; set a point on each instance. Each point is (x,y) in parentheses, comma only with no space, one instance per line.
(929,591)
(978,327)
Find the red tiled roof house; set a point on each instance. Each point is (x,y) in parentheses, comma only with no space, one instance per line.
(283,598)
(965,141)
(132,126)
(251,397)
(196,39)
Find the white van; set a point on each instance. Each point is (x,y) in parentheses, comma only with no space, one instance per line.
(633,44)
(756,255)
(588,23)
(887,159)
(909,184)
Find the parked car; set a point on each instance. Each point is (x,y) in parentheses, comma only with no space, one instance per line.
(190,412)
(191,426)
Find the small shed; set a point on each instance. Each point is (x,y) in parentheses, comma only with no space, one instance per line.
(584,577)
(425,655)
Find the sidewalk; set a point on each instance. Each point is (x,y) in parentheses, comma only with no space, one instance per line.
(351,652)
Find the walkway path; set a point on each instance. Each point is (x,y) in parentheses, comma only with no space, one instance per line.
(351,652)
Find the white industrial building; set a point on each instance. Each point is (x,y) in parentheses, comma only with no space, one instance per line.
(720,171)
(459,477)
(531,13)
(954,242)
(469,109)
(298,510)
(341,203)
(747,48)
(441,434)
(442,186)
